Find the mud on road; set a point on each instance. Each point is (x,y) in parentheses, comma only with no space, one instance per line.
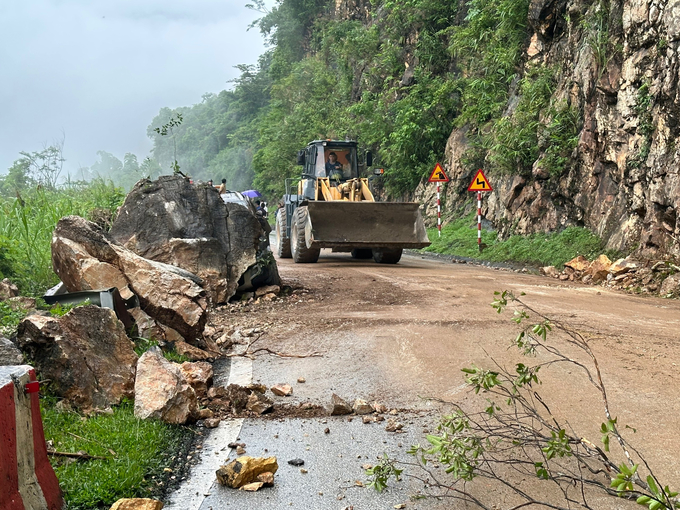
(399,334)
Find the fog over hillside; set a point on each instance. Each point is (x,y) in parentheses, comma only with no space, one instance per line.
(96,73)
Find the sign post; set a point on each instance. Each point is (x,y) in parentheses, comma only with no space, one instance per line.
(479,183)
(438,175)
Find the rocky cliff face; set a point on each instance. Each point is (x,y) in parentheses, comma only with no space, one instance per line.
(617,66)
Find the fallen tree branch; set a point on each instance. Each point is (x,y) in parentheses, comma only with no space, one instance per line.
(77,455)
(89,441)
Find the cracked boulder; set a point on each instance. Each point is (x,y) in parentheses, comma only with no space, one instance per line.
(174,221)
(86,258)
(86,355)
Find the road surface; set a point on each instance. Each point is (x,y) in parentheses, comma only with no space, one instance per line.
(400,334)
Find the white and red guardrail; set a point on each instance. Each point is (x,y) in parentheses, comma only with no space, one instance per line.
(27,480)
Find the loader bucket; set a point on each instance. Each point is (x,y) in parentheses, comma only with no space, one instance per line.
(349,225)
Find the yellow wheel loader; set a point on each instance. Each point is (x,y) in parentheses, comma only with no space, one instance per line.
(332,206)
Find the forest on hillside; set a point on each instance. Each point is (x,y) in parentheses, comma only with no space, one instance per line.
(397,76)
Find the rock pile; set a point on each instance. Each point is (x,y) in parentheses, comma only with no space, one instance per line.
(86,258)
(176,222)
(660,277)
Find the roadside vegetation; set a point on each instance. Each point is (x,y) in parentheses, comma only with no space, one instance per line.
(139,457)
(29,211)
(459,238)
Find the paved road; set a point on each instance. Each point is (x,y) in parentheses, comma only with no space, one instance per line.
(400,333)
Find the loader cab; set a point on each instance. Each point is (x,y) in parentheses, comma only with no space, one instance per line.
(318,157)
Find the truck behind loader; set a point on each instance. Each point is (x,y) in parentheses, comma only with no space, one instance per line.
(333,207)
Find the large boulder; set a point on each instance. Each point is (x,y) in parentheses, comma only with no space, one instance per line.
(86,258)
(86,355)
(188,225)
(161,390)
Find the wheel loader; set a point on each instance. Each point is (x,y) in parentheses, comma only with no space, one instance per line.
(332,206)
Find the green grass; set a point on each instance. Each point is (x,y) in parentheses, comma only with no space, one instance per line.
(144,344)
(459,238)
(143,448)
(27,221)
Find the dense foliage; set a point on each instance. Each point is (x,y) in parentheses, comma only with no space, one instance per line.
(396,75)
(29,211)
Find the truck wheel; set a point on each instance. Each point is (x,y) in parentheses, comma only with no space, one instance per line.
(386,255)
(298,244)
(282,242)
(362,253)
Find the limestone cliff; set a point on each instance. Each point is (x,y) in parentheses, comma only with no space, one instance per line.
(622,177)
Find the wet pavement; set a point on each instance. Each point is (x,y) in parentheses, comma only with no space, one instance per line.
(333,462)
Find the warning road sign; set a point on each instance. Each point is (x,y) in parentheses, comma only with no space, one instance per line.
(438,174)
(480,183)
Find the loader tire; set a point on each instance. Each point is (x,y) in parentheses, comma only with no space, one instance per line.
(362,253)
(387,256)
(298,244)
(282,242)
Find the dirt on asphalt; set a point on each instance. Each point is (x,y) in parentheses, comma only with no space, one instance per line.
(399,334)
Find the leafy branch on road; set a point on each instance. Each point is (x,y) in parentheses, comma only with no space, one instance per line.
(516,437)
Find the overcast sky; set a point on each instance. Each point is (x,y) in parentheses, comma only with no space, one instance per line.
(98,71)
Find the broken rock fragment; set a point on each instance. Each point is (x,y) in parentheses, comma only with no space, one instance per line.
(362,407)
(245,470)
(579,263)
(137,504)
(192,352)
(266,478)
(599,268)
(174,221)
(268,289)
(8,289)
(282,390)
(199,375)
(393,425)
(161,391)
(338,406)
(379,408)
(212,423)
(252,487)
(259,404)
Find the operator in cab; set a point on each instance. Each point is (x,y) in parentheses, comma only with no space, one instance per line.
(334,167)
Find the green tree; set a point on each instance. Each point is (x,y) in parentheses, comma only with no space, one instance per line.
(107,166)
(18,178)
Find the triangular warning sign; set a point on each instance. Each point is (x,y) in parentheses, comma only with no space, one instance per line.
(438,174)
(480,183)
